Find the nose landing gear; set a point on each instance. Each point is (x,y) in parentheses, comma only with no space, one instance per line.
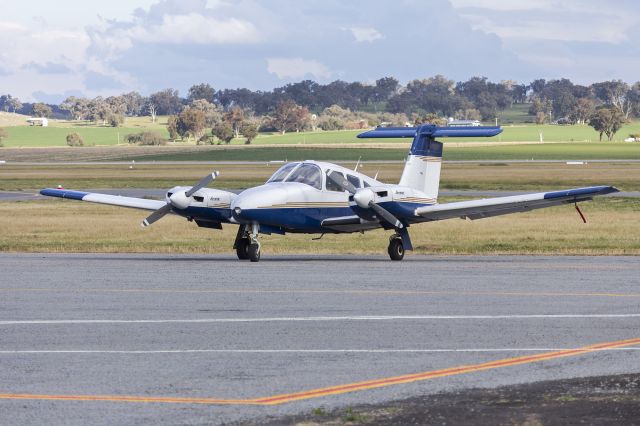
(247,245)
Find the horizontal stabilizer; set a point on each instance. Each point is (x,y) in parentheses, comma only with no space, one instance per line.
(432,131)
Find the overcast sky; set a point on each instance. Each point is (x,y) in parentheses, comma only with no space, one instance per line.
(49,50)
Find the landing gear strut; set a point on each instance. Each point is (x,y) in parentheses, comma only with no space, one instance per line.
(396,247)
(254,246)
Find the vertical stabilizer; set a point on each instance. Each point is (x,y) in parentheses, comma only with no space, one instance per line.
(422,169)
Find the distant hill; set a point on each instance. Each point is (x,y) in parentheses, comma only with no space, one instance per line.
(8,119)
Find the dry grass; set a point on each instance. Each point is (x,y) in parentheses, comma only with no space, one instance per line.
(71,226)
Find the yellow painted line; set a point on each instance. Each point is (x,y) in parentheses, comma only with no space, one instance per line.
(340,389)
(322,291)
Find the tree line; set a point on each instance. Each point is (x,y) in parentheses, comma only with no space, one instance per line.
(339,104)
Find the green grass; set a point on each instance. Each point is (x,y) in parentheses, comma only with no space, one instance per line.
(55,134)
(23,136)
(568,151)
(518,113)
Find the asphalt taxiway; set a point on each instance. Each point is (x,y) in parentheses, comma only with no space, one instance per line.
(163,339)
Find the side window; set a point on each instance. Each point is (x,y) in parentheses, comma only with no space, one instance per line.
(331,186)
(353,180)
(366,184)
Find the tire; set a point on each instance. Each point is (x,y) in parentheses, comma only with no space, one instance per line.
(396,249)
(242,249)
(254,252)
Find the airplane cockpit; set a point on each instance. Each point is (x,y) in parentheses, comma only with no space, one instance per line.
(312,174)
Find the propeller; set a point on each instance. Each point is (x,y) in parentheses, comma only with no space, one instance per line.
(364,198)
(179,199)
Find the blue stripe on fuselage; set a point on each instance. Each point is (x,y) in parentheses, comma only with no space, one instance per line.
(210,213)
(302,218)
(64,193)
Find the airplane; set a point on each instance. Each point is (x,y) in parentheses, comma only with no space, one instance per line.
(315,197)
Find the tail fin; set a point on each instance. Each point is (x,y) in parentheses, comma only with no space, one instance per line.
(422,169)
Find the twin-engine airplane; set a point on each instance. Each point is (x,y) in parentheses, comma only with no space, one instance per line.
(315,197)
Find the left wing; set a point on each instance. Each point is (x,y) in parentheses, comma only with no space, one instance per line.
(113,200)
(488,207)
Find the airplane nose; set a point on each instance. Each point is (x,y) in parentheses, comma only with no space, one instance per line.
(250,205)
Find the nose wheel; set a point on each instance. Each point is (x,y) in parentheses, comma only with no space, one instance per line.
(396,248)
(247,245)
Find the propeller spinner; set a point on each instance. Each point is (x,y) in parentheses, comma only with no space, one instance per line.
(364,198)
(179,199)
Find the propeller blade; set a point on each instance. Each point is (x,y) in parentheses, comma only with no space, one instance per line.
(156,215)
(339,180)
(386,215)
(204,182)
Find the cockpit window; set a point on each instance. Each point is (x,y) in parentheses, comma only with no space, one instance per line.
(331,185)
(309,174)
(282,172)
(353,180)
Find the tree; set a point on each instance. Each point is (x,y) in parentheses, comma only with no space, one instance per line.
(607,121)
(190,123)
(223,131)
(134,103)
(77,107)
(10,103)
(153,111)
(166,102)
(288,116)
(41,110)
(430,118)
(249,131)
(3,135)
(614,93)
(235,117)
(201,91)
(212,113)
(75,139)
(146,138)
(172,127)
(582,110)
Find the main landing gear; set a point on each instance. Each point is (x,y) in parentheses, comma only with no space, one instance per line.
(396,247)
(247,245)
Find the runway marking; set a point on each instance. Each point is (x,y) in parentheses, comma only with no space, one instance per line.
(292,351)
(316,319)
(340,389)
(372,292)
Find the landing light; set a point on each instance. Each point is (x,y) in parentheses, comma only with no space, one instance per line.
(237,210)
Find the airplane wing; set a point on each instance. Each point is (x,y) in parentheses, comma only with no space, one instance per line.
(488,207)
(113,200)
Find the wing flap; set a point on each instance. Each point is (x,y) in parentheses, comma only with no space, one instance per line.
(112,200)
(489,207)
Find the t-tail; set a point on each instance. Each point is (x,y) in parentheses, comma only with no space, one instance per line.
(422,169)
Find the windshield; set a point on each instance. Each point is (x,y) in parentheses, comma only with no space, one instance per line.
(309,174)
(282,172)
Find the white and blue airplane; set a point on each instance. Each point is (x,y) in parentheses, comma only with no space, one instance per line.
(315,197)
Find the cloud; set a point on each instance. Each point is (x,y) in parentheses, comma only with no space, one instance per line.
(297,68)
(365,34)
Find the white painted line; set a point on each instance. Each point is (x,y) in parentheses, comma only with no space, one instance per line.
(337,318)
(298,351)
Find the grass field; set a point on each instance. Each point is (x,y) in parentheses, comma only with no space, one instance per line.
(55,134)
(71,226)
(499,176)
(559,151)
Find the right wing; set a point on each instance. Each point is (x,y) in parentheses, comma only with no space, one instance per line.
(113,200)
(488,207)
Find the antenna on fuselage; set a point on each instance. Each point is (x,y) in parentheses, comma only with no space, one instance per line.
(355,169)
